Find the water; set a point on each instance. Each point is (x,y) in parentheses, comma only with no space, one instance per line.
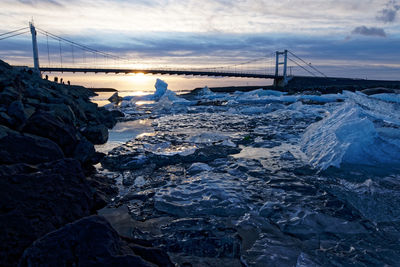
(229,184)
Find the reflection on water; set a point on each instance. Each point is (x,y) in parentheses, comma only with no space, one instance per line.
(125,131)
(140,103)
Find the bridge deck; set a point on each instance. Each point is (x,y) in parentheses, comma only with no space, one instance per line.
(161,72)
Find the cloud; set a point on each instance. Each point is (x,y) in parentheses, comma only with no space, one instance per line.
(389,13)
(37,2)
(369,31)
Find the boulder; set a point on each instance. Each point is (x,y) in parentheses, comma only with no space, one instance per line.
(97,134)
(5,119)
(90,241)
(46,125)
(115,98)
(39,93)
(26,148)
(8,95)
(16,112)
(84,151)
(62,111)
(107,118)
(35,200)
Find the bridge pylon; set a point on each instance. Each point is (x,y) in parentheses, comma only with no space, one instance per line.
(281,81)
(35,48)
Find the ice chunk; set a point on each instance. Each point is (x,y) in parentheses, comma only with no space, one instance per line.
(199,167)
(252,110)
(171,103)
(388,97)
(356,133)
(161,88)
(206,138)
(324,98)
(261,93)
(205,92)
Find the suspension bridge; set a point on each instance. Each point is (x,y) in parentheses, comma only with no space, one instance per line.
(64,55)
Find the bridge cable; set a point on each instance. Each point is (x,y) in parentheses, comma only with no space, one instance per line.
(48,50)
(302,67)
(60,53)
(308,64)
(13,35)
(73,58)
(7,33)
(79,45)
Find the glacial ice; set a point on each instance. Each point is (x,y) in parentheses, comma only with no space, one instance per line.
(161,88)
(361,131)
(388,97)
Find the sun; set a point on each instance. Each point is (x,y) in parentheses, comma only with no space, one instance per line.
(139,78)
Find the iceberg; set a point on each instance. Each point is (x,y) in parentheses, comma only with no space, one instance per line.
(161,88)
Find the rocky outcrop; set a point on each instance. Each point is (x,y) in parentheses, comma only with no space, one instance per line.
(88,242)
(38,199)
(16,147)
(47,132)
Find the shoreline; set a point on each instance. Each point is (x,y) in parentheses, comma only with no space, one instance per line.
(49,188)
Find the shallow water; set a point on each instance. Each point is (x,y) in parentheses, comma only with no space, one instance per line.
(228,184)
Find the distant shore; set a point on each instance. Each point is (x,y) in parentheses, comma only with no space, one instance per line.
(103,89)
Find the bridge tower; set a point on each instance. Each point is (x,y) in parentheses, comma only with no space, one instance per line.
(35,48)
(278,81)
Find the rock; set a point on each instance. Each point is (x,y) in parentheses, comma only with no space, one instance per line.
(84,151)
(9,95)
(5,119)
(115,98)
(26,148)
(37,200)
(90,241)
(97,134)
(117,114)
(63,111)
(378,90)
(17,113)
(46,125)
(152,255)
(38,93)
(107,118)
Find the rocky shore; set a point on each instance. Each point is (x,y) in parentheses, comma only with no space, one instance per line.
(49,189)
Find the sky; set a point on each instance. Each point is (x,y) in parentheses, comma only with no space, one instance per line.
(349,38)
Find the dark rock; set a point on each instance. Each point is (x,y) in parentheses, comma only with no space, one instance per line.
(37,200)
(9,95)
(97,134)
(38,93)
(45,125)
(378,90)
(150,254)
(84,151)
(106,117)
(26,148)
(16,111)
(90,241)
(62,111)
(117,114)
(29,111)
(5,119)
(105,190)
(115,98)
